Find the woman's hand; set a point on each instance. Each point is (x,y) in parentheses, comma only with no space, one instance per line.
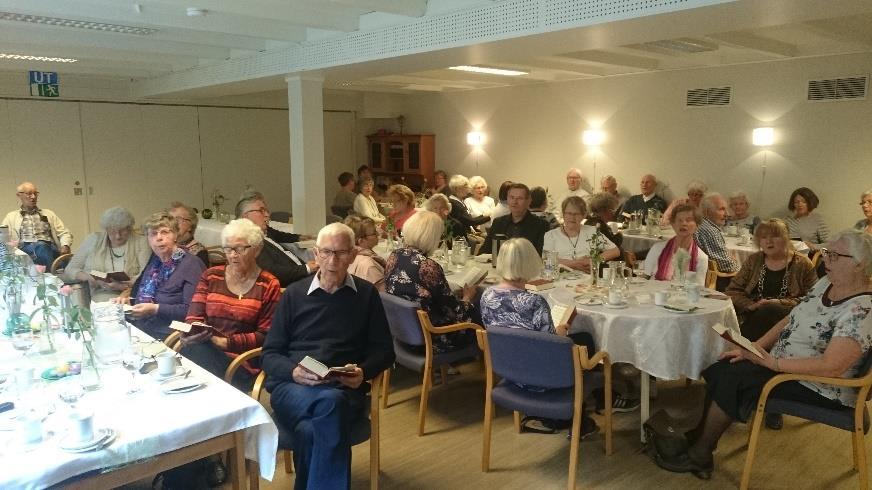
(738,355)
(197,338)
(762,302)
(117,285)
(120,301)
(219,342)
(582,264)
(562,329)
(143,310)
(468,292)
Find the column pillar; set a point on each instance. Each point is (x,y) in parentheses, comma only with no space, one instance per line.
(306,124)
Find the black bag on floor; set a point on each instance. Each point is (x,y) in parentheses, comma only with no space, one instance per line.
(663,438)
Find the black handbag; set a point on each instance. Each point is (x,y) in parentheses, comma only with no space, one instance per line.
(663,439)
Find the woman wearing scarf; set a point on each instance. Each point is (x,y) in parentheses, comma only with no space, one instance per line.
(162,293)
(660,263)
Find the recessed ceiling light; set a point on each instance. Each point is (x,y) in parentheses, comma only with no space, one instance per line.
(77,24)
(24,57)
(489,71)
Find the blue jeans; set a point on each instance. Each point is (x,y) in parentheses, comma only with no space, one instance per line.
(320,419)
(42,253)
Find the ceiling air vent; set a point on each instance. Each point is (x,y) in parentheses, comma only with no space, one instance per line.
(847,88)
(708,97)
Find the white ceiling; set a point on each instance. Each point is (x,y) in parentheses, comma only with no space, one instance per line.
(753,31)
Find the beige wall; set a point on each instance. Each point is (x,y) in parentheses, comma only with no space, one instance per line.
(533,133)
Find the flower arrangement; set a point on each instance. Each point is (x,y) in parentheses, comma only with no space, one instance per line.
(595,247)
(681,262)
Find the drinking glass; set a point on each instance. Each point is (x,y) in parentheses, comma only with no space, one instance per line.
(22,338)
(132,360)
(70,391)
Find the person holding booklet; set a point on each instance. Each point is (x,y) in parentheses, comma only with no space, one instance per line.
(411,275)
(338,320)
(509,305)
(115,249)
(829,333)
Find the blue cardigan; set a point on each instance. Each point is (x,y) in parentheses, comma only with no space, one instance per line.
(173,296)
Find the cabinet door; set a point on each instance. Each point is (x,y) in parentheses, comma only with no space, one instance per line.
(396,156)
(375,154)
(414,161)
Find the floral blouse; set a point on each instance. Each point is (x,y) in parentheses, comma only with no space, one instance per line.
(815,321)
(412,276)
(515,308)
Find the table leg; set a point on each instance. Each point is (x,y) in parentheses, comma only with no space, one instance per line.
(237,461)
(645,399)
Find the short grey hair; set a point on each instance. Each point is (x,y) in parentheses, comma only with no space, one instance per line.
(866,194)
(430,204)
(608,178)
(117,218)
(738,195)
(160,220)
(575,171)
(859,246)
(242,228)
(475,180)
(423,231)
(248,197)
(457,182)
(336,229)
(518,260)
(601,202)
(708,204)
(192,215)
(697,185)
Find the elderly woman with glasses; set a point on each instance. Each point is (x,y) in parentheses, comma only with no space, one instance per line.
(403,200)
(410,274)
(367,264)
(479,203)
(236,302)
(162,293)
(865,224)
(771,281)
(115,249)
(364,203)
(572,241)
(187,219)
(829,333)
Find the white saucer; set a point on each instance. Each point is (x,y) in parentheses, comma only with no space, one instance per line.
(102,438)
(618,306)
(182,385)
(158,376)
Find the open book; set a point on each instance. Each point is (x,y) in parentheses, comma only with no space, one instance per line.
(539,285)
(471,275)
(186,327)
(561,314)
(733,335)
(118,276)
(319,368)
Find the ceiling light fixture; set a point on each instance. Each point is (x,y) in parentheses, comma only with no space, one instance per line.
(489,71)
(195,12)
(24,57)
(77,24)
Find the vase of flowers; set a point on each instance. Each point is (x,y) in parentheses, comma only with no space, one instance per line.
(595,247)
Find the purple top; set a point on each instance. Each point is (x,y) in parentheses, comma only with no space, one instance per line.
(173,296)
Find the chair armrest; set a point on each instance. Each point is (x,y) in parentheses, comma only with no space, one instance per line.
(257,389)
(591,362)
(783,378)
(173,340)
(455,327)
(241,358)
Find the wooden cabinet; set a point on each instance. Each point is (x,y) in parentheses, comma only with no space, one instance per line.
(403,159)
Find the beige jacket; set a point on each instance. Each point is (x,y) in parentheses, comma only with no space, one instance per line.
(801,276)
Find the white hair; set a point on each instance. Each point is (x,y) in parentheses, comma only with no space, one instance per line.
(457,182)
(518,260)
(866,194)
(335,229)
(430,204)
(739,195)
(423,231)
(708,206)
(697,185)
(474,181)
(575,171)
(244,229)
(859,246)
(117,218)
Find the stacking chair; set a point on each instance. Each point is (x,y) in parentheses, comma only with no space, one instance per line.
(174,341)
(548,361)
(712,275)
(57,267)
(367,427)
(411,328)
(854,420)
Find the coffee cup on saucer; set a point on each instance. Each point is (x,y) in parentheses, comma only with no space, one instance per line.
(82,425)
(661,298)
(166,363)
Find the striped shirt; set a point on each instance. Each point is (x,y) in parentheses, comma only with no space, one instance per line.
(245,320)
(710,239)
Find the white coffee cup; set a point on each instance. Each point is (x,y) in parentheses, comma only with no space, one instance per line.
(661,297)
(82,425)
(732,230)
(23,378)
(166,363)
(31,427)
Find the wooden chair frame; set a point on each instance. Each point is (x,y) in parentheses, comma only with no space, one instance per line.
(174,341)
(859,448)
(428,330)
(374,439)
(712,274)
(580,363)
(62,259)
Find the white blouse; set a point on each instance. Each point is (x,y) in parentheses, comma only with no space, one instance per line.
(485,207)
(573,248)
(366,206)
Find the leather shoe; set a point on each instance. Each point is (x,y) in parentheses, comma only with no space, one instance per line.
(774,421)
(216,473)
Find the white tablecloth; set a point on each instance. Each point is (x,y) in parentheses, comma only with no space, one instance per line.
(148,423)
(662,343)
(209,231)
(640,242)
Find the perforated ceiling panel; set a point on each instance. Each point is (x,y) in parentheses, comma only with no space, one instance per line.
(502,20)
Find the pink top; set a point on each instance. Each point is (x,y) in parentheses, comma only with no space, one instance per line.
(400,219)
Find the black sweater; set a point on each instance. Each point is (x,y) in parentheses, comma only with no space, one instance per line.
(274,260)
(345,327)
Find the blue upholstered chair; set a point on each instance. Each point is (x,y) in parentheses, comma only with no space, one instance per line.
(544,360)
(854,420)
(413,344)
(366,428)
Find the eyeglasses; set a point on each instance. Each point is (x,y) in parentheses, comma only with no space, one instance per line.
(263,211)
(326,253)
(833,256)
(865,202)
(239,250)
(31,194)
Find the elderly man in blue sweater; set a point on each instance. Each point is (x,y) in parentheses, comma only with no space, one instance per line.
(338,319)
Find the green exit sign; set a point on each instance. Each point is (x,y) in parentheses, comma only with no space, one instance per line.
(44,84)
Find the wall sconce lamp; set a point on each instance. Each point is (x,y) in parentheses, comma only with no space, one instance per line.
(763,136)
(475,138)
